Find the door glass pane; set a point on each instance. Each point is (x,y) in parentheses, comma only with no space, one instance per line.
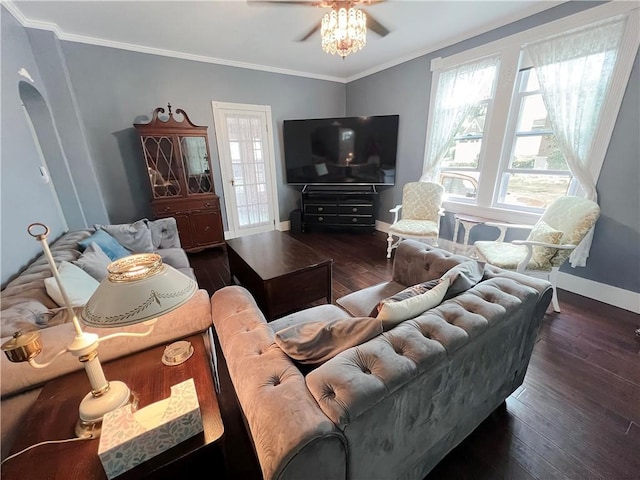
(195,162)
(247,157)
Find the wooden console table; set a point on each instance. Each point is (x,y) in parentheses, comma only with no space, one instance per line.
(54,414)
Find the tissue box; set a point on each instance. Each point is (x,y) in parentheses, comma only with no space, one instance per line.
(130,438)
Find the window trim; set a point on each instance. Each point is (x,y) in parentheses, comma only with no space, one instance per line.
(509,49)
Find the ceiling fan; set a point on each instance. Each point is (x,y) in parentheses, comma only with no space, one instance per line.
(371,23)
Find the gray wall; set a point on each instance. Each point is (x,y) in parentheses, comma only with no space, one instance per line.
(24,197)
(405,90)
(115,88)
(95,95)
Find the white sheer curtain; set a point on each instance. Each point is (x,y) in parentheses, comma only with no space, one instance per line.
(575,71)
(458,91)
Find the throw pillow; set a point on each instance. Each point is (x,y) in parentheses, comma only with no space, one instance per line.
(78,284)
(94,261)
(107,243)
(542,232)
(164,233)
(313,343)
(135,237)
(462,277)
(410,302)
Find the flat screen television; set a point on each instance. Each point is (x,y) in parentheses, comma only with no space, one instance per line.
(336,151)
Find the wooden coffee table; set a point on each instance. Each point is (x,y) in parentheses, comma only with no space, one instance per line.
(282,273)
(54,414)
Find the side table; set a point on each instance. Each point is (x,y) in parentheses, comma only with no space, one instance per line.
(54,414)
(468,222)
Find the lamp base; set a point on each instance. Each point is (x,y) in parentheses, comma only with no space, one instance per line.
(93,409)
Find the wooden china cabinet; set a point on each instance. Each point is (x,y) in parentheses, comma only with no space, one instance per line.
(178,162)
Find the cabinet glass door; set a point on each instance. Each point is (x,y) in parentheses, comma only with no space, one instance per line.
(161,166)
(195,161)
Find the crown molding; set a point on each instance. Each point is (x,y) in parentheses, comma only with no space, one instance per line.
(539,7)
(61,35)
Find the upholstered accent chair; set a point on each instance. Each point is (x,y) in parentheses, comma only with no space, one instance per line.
(421,211)
(565,222)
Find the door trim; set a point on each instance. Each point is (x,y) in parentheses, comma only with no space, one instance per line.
(222,136)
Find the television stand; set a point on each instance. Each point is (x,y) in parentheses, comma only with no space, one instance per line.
(352,207)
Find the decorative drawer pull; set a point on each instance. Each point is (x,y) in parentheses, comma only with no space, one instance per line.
(208,204)
(354,220)
(167,208)
(354,209)
(320,219)
(320,209)
(207,228)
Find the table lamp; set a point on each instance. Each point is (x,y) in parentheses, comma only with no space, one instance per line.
(138,288)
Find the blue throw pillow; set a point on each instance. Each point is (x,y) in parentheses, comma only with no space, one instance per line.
(107,243)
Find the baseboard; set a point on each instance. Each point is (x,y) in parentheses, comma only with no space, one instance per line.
(284,226)
(617,297)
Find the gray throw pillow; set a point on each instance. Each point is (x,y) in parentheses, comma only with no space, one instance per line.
(164,233)
(135,236)
(463,276)
(313,343)
(94,261)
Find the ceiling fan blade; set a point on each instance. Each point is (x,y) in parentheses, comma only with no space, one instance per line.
(309,33)
(376,26)
(286,2)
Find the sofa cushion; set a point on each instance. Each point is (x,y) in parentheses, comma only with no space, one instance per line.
(78,284)
(107,243)
(462,277)
(136,236)
(316,342)
(176,257)
(94,261)
(410,302)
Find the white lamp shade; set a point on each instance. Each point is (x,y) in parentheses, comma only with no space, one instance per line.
(138,288)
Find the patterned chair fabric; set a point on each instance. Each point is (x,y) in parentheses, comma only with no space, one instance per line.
(421,211)
(560,229)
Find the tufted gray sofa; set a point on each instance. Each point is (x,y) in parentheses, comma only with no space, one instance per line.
(394,406)
(25,306)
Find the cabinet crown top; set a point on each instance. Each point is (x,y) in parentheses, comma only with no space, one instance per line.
(169,121)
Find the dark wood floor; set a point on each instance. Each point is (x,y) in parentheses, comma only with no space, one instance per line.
(576,416)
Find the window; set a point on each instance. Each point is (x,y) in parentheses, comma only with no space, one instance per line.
(490,140)
(534,171)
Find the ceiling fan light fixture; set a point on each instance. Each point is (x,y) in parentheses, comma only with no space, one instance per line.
(343,31)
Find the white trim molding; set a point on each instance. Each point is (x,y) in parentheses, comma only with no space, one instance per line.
(615,296)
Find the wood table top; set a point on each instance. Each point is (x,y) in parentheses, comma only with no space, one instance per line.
(274,254)
(54,414)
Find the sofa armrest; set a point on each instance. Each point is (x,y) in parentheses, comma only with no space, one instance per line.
(292,437)
(190,318)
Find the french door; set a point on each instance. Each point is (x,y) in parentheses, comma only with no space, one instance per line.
(245,147)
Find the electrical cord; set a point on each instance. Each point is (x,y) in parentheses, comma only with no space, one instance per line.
(87,436)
